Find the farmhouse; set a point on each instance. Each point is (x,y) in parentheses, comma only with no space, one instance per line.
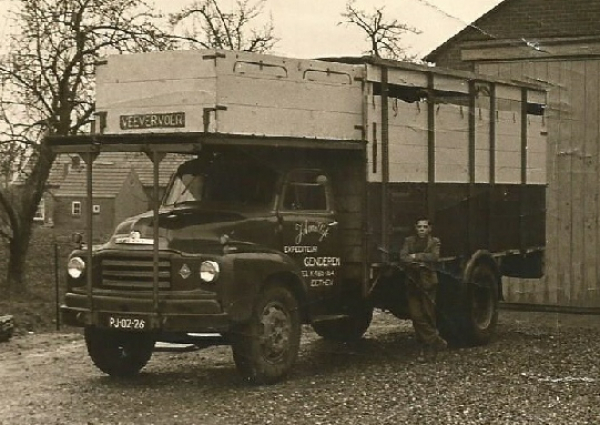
(122,187)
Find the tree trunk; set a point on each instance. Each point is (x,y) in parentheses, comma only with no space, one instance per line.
(21,212)
(17,262)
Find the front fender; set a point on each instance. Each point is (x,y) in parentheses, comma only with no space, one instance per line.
(251,272)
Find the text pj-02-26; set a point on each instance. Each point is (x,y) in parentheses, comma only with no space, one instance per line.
(116,322)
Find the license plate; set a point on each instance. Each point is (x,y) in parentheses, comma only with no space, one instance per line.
(133,323)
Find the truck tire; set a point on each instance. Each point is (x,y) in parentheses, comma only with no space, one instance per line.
(118,353)
(481,304)
(265,348)
(468,311)
(7,328)
(348,329)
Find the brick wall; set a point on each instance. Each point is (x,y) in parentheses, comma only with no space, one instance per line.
(65,223)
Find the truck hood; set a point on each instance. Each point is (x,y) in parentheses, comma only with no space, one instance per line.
(190,229)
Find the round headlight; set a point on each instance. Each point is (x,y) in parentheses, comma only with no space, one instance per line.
(209,271)
(76,267)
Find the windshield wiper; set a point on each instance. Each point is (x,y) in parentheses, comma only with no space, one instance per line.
(186,188)
(175,208)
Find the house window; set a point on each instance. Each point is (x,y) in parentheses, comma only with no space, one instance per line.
(76,208)
(96,209)
(41,210)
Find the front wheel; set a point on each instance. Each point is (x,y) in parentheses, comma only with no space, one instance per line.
(265,348)
(118,353)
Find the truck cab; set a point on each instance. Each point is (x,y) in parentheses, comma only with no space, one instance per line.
(232,228)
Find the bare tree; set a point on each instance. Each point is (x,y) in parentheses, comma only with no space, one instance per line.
(384,36)
(205,24)
(46,87)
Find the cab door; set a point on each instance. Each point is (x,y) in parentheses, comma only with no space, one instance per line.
(310,235)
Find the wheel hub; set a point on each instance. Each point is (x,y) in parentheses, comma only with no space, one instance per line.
(483,302)
(276,330)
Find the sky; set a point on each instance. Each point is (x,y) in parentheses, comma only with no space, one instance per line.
(310,28)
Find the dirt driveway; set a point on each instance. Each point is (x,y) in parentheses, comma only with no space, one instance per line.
(541,369)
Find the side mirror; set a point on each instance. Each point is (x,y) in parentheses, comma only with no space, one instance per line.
(77,238)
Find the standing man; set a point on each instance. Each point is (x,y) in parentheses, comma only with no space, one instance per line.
(419,255)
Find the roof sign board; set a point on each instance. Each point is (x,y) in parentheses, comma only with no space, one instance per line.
(158,120)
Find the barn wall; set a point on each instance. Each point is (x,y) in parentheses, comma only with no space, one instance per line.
(573,233)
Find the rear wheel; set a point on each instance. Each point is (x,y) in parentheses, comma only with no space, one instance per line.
(468,311)
(265,348)
(348,329)
(118,353)
(481,304)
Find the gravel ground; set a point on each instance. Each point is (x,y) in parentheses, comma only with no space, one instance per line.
(541,369)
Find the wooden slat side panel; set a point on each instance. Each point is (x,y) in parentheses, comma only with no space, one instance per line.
(272,106)
(564,173)
(446,83)
(516,71)
(591,183)
(521,290)
(373,133)
(488,68)
(554,116)
(408,141)
(508,146)
(538,71)
(578,170)
(236,93)
(573,184)
(452,143)
(482,139)
(536,150)
(402,77)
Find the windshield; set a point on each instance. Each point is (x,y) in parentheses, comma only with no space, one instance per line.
(222,181)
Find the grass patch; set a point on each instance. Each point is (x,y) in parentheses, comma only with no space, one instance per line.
(35,309)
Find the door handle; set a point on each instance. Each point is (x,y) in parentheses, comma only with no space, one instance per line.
(333,224)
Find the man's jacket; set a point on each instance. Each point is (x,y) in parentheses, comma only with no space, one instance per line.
(421,270)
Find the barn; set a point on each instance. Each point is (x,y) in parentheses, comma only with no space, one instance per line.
(555,43)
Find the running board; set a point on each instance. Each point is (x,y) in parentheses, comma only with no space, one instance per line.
(329,318)
(191,342)
(170,347)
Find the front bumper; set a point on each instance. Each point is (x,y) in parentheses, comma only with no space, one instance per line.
(191,315)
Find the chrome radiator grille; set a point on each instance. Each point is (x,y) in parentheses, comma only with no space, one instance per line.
(135,273)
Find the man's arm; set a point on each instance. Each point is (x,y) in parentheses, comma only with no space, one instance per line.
(432,253)
(405,255)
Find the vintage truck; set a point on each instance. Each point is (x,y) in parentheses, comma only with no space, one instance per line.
(306,176)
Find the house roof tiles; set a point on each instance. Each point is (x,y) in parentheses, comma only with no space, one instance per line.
(530,19)
(109,171)
(107,181)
